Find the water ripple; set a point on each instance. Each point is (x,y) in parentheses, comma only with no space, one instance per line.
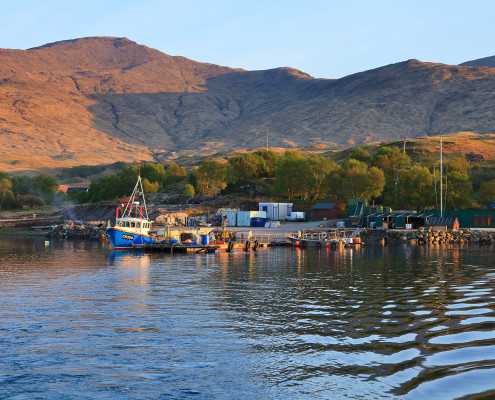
(395,322)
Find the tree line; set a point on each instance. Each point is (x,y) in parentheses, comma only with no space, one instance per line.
(388,177)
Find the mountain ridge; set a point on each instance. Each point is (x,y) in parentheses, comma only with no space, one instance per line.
(101,99)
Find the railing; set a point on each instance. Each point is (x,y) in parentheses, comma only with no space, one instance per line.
(264,237)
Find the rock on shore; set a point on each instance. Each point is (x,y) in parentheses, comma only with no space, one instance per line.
(429,236)
(74,231)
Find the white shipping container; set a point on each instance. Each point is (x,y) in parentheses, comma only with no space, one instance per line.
(244,217)
(231,218)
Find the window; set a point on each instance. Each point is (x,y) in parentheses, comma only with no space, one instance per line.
(138,224)
(133,224)
(483,220)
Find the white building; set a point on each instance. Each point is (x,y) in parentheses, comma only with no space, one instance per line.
(276,211)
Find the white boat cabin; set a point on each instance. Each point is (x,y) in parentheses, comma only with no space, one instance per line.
(134,225)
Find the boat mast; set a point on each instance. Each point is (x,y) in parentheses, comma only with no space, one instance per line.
(138,189)
(441,180)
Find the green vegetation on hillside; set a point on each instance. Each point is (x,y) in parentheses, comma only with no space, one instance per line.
(24,192)
(384,174)
(387,176)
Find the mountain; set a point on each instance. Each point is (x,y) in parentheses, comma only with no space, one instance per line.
(481,62)
(102,99)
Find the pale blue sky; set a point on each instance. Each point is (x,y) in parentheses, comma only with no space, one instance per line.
(326,39)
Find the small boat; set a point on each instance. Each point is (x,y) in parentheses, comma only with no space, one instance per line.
(318,243)
(323,239)
(132,227)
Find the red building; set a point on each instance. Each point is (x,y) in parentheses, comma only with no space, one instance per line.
(326,210)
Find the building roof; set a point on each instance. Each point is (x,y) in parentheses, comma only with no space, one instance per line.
(324,206)
(441,221)
(399,214)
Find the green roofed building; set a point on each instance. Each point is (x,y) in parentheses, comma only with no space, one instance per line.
(362,214)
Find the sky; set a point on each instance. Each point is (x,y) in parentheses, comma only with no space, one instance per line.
(326,39)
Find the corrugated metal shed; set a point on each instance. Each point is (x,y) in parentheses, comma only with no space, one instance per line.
(441,221)
(326,210)
(323,206)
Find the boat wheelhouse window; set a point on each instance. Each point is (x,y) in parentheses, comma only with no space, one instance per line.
(133,225)
(138,224)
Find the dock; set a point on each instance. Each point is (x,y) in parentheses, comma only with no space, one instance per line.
(167,247)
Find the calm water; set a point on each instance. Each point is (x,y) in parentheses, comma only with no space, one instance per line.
(78,320)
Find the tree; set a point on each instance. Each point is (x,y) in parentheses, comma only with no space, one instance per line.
(246,167)
(270,162)
(361,155)
(487,192)
(289,174)
(416,187)
(150,187)
(6,194)
(391,160)
(316,170)
(188,190)
(154,173)
(42,185)
(22,185)
(175,173)
(457,185)
(212,177)
(112,186)
(356,180)
(47,185)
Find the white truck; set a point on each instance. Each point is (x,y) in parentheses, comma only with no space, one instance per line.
(295,216)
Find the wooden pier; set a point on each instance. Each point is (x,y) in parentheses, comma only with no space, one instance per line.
(167,247)
(176,248)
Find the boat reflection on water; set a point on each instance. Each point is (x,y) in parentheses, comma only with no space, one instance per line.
(129,258)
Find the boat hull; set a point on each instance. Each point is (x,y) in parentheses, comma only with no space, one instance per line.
(123,240)
(300,242)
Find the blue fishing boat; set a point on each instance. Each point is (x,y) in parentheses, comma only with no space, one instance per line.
(133,225)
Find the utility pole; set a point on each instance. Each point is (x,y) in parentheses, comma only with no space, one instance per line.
(441,180)
(267,138)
